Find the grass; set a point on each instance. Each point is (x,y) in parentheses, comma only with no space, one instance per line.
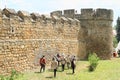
(106,70)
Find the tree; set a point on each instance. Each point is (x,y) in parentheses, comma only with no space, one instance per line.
(118,29)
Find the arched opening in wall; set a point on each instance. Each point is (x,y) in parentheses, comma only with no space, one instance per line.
(47,48)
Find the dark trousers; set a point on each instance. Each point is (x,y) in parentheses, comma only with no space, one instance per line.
(42,67)
(55,72)
(73,68)
(63,67)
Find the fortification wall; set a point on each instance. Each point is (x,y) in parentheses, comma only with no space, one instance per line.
(95,34)
(24,37)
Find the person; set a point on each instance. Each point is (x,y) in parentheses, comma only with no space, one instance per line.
(54,65)
(42,63)
(68,61)
(114,54)
(73,65)
(58,57)
(63,62)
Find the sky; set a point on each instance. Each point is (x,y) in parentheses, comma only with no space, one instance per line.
(47,6)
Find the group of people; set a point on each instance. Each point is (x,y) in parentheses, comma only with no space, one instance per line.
(57,61)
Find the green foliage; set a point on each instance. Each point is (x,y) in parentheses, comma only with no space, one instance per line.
(13,76)
(118,29)
(93,60)
(81,72)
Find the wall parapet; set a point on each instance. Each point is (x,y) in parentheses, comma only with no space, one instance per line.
(104,14)
(24,35)
(23,16)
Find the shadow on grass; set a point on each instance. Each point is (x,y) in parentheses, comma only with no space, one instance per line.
(37,72)
(69,73)
(58,70)
(49,77)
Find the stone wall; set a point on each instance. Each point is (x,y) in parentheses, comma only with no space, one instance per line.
(95,34)
(24,37)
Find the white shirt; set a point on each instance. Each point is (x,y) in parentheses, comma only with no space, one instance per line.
(54,65)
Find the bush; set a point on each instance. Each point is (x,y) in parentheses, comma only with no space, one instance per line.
(93,60)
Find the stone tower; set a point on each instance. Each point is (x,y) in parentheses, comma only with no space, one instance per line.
(25,36)
(95,34)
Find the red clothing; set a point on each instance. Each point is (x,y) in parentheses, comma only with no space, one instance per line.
(114,54)
(42,61)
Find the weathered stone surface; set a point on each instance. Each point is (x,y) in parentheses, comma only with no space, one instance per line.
(24,37)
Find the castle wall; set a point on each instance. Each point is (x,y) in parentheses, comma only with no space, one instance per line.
(95,34)
(24,37)
(23,40)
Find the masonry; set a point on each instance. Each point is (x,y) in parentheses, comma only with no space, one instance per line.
(25,36)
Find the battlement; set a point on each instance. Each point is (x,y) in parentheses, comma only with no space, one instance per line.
(106,14)
(25,36)
(8,12)
(56,13)
(69,13)
(54,17)
(35,16)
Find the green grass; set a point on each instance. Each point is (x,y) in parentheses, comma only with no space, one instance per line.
(106,70)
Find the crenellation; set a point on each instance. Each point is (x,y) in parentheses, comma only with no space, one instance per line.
(64,21)
(9,12)
(24,36)
(87,13)
(69,13)
(104,14)
(46,18)
(78,16)
(77,22)
(35,16)
(24,15)
(55,20)
(70,20)
(97,14)
(56,13)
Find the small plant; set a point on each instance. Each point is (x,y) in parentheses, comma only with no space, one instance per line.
(93,59)
(13,76)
